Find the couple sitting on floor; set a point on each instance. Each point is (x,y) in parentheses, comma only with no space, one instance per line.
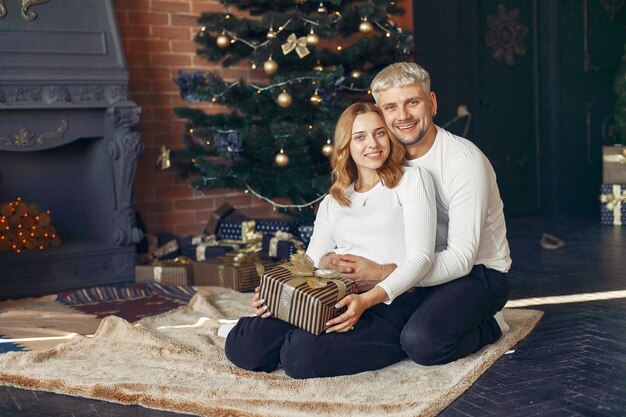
(414,216)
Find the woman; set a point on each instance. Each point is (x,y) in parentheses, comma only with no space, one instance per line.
(377,209)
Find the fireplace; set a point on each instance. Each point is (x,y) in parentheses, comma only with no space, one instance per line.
(67,143)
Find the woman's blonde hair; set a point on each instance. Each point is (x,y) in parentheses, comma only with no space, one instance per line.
(344,170)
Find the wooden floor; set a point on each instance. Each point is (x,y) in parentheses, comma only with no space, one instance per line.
(572,364)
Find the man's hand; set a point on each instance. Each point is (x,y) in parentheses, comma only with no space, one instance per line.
(260,308)
(363,269)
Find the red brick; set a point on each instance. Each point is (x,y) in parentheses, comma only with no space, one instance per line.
(202,216)
(141,86)
(239,201)
(150,73)
(148,18)
(134,32)
(166,86)
(171,59)
(174,192)
(170,6)
(147,46)
(138,60)
(188,229)
(172,217)
(203,203)
(168,32)
(188,20)
(187,46)
(157,206)
(163,113)
(152,99)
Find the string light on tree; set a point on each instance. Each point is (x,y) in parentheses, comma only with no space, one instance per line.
(322,8)
(356,74)
(281,159)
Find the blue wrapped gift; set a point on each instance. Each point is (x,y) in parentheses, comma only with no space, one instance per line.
(305,231)
(231,229)
(613,204)
(280,245)
(203,247)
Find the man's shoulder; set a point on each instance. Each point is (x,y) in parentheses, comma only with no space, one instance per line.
(456,144)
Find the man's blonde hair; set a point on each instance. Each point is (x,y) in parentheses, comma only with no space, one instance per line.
(399,75)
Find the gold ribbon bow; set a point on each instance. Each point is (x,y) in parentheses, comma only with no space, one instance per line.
(299,44)
(302,267)
(155,251)
(614,202)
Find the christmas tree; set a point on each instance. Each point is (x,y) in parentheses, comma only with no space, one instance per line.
(316,58)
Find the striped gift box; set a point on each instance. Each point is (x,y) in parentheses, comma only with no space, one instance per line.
(169,275)
(225,272)
(292,299)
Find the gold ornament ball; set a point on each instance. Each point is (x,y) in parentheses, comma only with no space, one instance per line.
(327,149)
(270,66)
(316,99)
(281,159)
(284,99)
(356,73)
(312,39)
(366,26)
(223,41)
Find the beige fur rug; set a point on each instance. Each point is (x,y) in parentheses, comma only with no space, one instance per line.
(175,362)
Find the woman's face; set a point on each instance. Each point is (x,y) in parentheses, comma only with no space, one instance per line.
(369,144)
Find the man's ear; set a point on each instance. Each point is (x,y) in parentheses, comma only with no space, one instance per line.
(433,102)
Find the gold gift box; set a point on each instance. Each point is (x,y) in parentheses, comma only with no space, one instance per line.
(241,272)
(295,299)
(614,164)
(180,274)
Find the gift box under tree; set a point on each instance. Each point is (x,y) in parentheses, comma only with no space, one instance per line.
(612,204)
(203,247)
(304,233)
(236,229)
(239,271)
(281,245)
(298,294)
(177,271)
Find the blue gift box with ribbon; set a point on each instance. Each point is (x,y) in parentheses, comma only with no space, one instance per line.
(613,204)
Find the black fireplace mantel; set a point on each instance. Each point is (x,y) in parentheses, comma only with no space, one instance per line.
(67,142)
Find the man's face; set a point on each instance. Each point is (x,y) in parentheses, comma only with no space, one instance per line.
(408,112)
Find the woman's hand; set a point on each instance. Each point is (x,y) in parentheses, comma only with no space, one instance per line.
(346,321)
(260,308)
(357,304)
(332,261)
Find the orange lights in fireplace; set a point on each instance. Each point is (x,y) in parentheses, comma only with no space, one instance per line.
(25,226)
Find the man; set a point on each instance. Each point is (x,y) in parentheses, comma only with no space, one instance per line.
(461,297)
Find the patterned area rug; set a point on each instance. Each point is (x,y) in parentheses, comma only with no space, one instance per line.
(174,361)
(41,323)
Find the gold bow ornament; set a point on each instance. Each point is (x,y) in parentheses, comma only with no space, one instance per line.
(299,44)
(283,236)
(614,202)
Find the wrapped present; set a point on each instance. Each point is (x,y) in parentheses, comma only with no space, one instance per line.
(281,245)
(178,271)
(225,211)
(241,271)
(237,229)
(157,247)
(305,231)
(612,204)
(203,247)
(614,164)
(297,293)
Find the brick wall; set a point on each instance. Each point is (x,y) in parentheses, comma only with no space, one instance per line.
(158,39)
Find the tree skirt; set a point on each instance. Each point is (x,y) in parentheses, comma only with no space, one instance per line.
(175,361)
